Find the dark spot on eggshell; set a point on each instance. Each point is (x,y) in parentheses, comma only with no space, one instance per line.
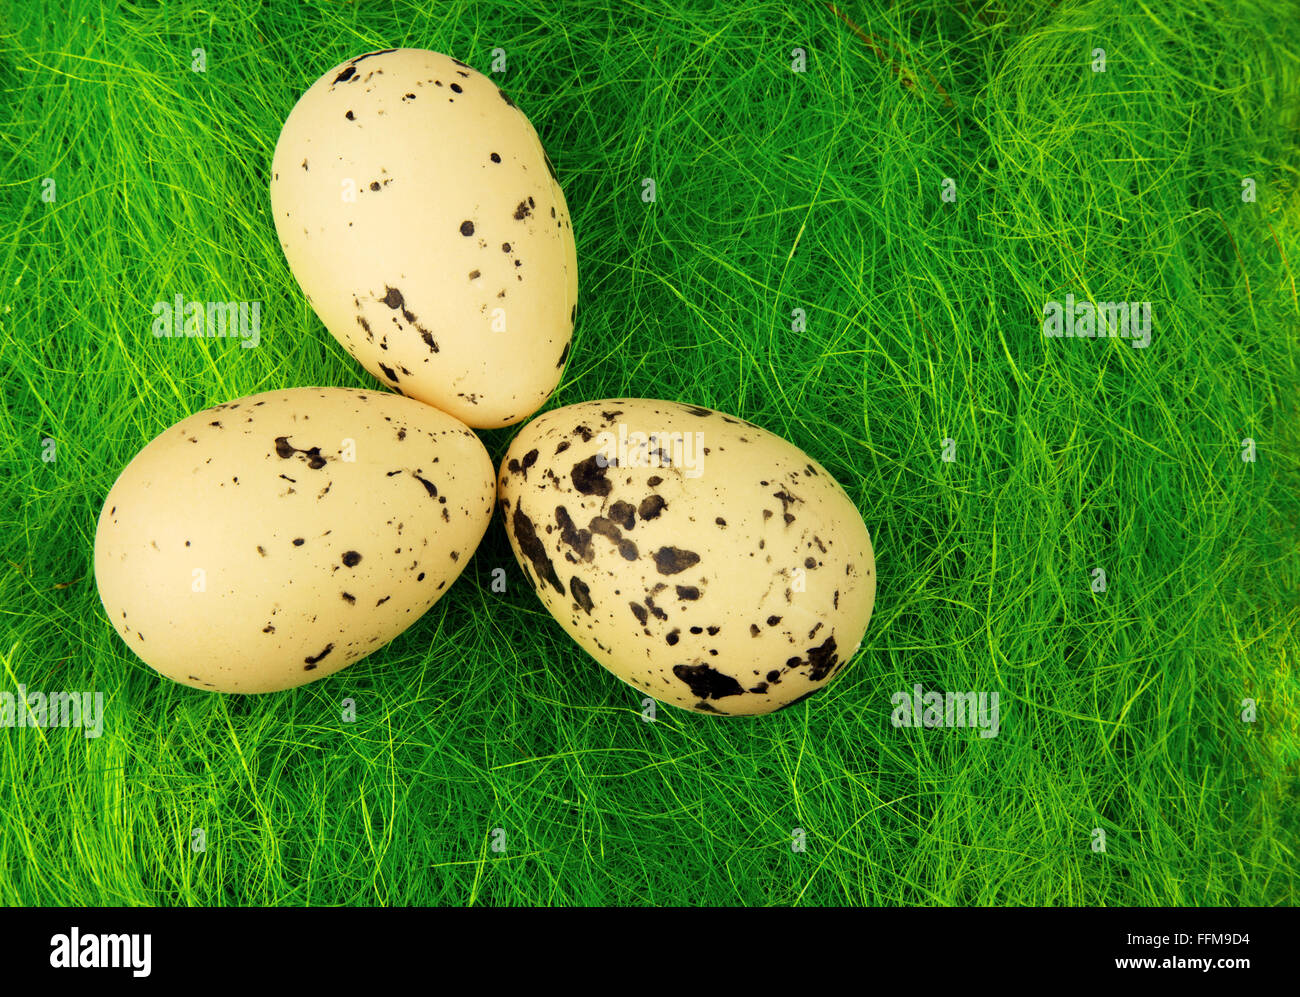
(529,460)
(505,98)
(623,514)
(696,410)
(495,158)
(349,598)
(563,357)
(388,372)
(392,297)
(639,612)
(706,682)
(531,546)
(579,540)
(350,116)
(651,506)
(654,481)
(522,211)
(671,560)
(346,75)
(564,445)
(589,477)
(823,659)
(455,88)
(351,559)
(605,527)
(467,228)
(285,450)
(312,661)
(429,486)
(773,620)
(581,594)
(688,592)
(673,637)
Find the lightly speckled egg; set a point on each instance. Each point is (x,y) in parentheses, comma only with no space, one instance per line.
(278,538)
(423,220)
(703,560)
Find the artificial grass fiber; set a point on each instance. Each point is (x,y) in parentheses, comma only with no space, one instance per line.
(804,265)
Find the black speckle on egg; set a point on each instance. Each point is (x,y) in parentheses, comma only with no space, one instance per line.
(581,594)
(651,506)
(467,228)
(589,476)
(622,513)
(706,682)
(671,560)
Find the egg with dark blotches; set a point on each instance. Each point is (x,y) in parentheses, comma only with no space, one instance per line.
(425,224)
(703,560)
(278,538)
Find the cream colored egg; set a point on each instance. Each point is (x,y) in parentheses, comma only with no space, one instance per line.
(705,561)
(276,539)
(423,220)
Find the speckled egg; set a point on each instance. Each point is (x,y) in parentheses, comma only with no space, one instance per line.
(701,559)
(276,539)
(424,222)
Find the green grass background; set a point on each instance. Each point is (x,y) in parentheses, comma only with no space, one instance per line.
(1120,710)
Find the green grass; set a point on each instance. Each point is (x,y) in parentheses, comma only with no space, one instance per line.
(1120,710)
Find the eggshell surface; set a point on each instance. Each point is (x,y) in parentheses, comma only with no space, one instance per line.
(424,222)
(275,539)
(703,560)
